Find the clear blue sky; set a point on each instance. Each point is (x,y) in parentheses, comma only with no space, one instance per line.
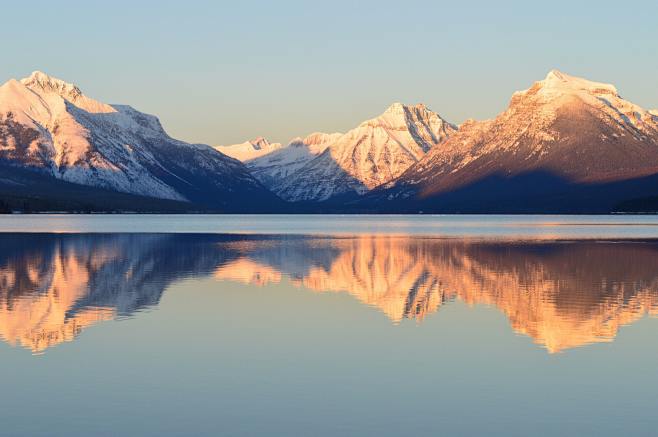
(219,73)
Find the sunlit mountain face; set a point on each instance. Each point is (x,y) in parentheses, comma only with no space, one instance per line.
(562,294)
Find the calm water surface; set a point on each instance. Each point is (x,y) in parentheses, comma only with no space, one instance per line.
(463,226)
(242,325)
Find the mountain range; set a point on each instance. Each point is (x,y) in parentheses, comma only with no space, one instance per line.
(322,166)
(563,145)
(566,144)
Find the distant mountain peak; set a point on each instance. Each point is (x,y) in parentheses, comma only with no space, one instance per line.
(249,150)
(44,82)
(398,116)
(51,88)
(556,74)
(260,143)
(557,81)
(398,108)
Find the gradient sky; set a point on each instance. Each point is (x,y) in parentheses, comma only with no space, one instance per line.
(224,72)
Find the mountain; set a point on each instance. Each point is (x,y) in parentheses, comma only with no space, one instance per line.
(375,152)
(50,127)
(249,149)
(27,190)
(564,145)
(274,169)
(322,166)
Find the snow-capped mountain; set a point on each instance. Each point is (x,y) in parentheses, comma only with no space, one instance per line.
(249,150)
(275,168)
(565,143)
(321,166)
(50,126)
(375,152)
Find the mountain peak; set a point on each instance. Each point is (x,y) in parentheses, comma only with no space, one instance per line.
(399,108)
(42,81)
(260,143)
(249,150)
(557,81)
(395,108)
(556,74)
(398,113)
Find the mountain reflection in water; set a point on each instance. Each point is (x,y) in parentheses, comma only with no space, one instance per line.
(562,294)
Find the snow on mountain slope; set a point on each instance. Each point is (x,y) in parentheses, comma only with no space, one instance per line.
(274,168)
(563,127)
(377,151)
(48,125)
(249,149)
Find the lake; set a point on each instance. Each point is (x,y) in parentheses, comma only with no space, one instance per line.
(328,325)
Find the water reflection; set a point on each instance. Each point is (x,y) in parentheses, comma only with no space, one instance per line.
(561,294)
(52,287)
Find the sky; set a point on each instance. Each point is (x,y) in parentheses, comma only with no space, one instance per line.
(223,72)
